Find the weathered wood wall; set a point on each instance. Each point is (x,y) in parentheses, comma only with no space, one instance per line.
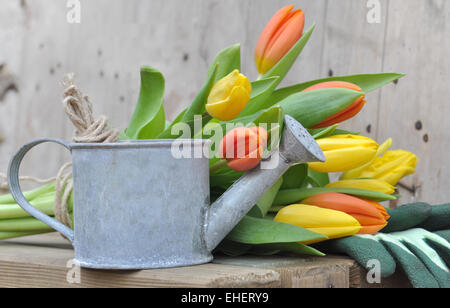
(180,37)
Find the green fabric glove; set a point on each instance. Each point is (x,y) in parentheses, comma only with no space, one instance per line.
(414,250)
(362,249)
(407,217)
(439,218)
(424,256)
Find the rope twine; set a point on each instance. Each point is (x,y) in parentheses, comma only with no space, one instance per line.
(88,130)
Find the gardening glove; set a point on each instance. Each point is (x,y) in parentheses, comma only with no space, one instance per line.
(413,251)
(424,256)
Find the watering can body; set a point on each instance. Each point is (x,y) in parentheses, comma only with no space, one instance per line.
(139,206)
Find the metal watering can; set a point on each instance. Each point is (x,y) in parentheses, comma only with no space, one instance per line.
(138,207)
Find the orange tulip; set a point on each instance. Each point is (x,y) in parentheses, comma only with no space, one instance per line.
(243,147)
(278,37)
(348,112)
(371,215)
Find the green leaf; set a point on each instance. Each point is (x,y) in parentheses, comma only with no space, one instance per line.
(233,249)
(323,132)
(261,90)
(265,203)
(284,65)
(198,105)
(344,132)
(312,107)
(262,231)
(228,60)
(367,82)
(148,120)
(318,179)
(292,196)
(297,248)
(167,133)
(224,179)
(196,108)
(295,177)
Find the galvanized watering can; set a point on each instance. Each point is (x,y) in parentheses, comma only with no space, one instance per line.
(138,207)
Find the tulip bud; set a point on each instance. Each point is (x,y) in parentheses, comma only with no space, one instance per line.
(345,152)
(243,147)
(331,223)
(282,32)
(348,112)
(229,96)
(371,215)
(366,184)
(391,167)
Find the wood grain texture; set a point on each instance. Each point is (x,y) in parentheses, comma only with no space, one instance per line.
(42,261)
(419,49)
(181,38)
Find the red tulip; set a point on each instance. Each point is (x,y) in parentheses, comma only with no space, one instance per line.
(278,37)
(243,147)
(345,114)
(371,215)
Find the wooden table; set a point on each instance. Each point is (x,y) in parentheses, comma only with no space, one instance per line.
(44,261)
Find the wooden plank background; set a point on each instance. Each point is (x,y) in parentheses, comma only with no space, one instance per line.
(181,37)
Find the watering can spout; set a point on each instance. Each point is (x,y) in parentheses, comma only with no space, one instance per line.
(297,146)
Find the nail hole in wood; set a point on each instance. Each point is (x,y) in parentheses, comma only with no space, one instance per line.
(419,125)
(369,128)
(186,57)
(330,73)
(396,81)
(426,138)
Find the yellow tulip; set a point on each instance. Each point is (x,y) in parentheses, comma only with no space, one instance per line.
(331,223)
(345,152)
(391,167)
(356,173)
(366,184)
(229,96)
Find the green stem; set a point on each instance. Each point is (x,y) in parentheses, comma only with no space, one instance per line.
(29,195)
(217,166)
(10,235)
(27,224)
(43,204)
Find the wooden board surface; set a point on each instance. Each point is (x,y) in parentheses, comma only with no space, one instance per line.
(45,261)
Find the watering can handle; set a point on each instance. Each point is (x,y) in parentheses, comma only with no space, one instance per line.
(16,191)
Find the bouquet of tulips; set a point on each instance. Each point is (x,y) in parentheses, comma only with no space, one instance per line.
(303,207)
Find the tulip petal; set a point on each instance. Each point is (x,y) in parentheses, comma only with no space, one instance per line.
(366,184)
(243,164)
(344,115)
(283,40)
(371,215)
(392,167)
(372,229)
(356,173)
(344,203)
(272,26)
(333,224)
(345,152)
(231,107)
